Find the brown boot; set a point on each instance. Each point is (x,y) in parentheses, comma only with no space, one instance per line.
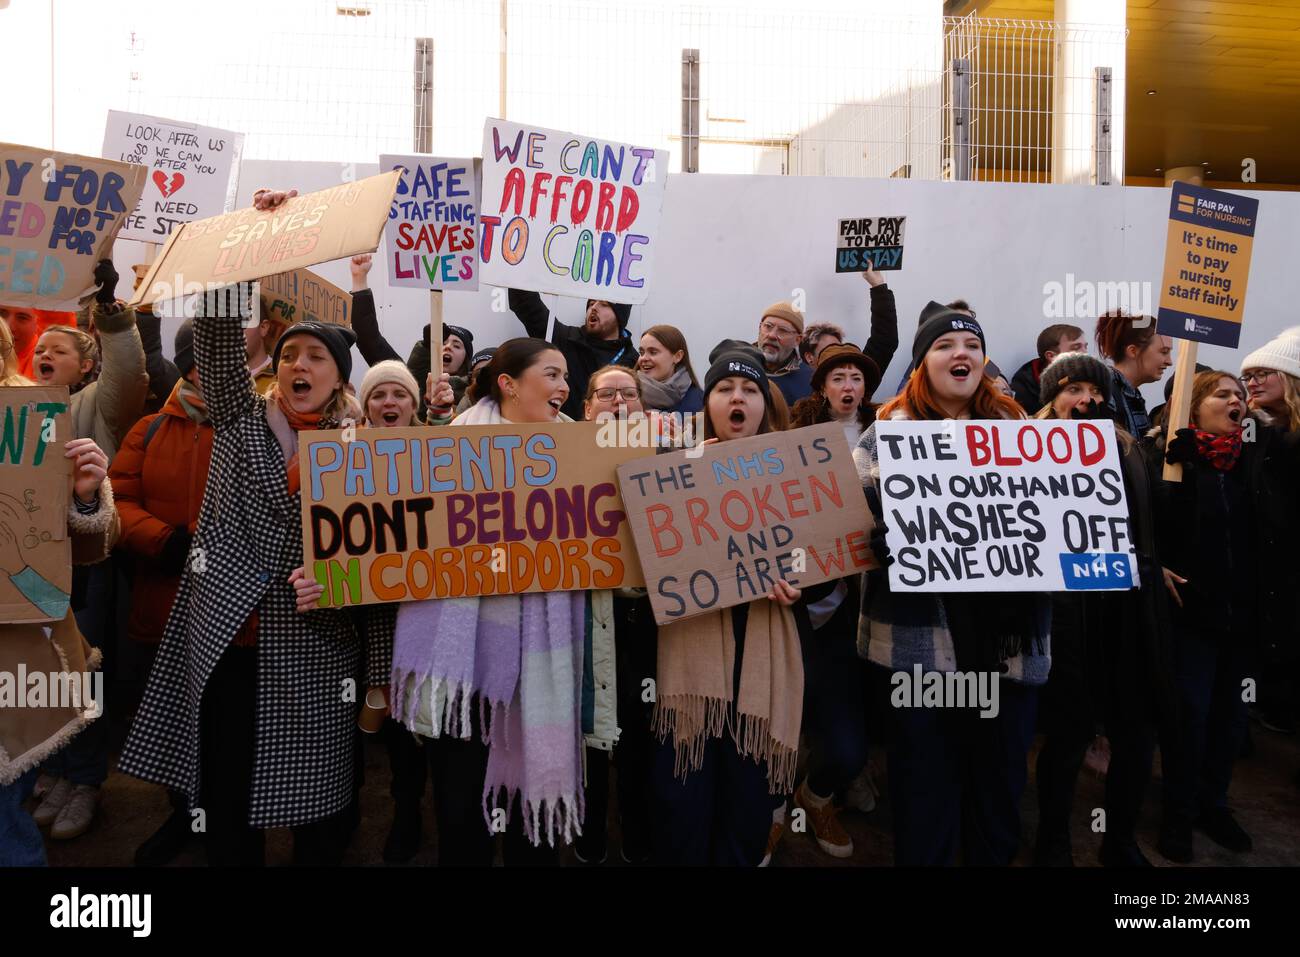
(825,823)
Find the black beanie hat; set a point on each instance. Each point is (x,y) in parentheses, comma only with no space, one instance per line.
(460,332)
(736,362)
(337,339)
(622,311)
(185,347)
(1072,367)
(748,349)
(936,320)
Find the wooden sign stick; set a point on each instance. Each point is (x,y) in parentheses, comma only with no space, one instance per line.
(1180,402)
(435,334)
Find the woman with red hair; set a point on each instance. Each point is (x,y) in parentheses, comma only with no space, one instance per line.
(956,774)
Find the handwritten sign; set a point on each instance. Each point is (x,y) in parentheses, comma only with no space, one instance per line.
(59,213)
(301,295)
(193,170)
(431,236)
(1207,261)
(866,241)
(35,552)
(568,214)
(248,244)
(717,525)
(1034,505)
(409,514)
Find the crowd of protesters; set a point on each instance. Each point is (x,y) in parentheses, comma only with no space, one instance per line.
(758,710)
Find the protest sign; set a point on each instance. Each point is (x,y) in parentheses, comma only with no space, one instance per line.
(569,214)
(35,552)
(250,244)
(432,236)
(59,213)
(1207,261)
(193,170)
(301,295)
(408,514)
(715,526)
(1028,505)
(867,241)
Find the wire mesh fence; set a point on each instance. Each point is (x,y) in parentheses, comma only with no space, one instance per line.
(837,93)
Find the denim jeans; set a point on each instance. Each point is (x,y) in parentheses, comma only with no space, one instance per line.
(20,839)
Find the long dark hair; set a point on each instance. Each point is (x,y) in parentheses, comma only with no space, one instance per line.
(513,358)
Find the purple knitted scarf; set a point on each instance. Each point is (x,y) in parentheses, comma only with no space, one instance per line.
(521,656)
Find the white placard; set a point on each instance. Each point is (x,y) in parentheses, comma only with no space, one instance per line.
(1031,505)
(430,241)
(569,214)
(194,171)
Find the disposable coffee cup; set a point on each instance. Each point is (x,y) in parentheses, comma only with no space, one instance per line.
(374,711)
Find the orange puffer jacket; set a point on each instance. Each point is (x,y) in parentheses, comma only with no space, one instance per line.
(158,488)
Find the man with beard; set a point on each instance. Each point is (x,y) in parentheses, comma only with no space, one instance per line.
(601,340)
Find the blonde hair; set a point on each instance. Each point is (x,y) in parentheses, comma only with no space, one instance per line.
(1290,399)
(1125,440)
(86,347)
(9,374)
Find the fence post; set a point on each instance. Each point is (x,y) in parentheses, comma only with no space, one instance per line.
(960,118)
(423,95)
(690,110)
(1101,165)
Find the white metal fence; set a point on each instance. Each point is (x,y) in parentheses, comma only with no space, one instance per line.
(851,93)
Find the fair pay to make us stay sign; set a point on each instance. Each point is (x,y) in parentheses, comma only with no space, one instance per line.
(1022,505)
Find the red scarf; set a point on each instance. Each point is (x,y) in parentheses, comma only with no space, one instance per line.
(1221,451)
(298,421)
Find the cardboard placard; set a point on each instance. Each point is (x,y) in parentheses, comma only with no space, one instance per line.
(1207,262)
(247,244)
(569,214)
(59,213)
(35,486)
(715,525)
(193,170)
(1028,505)
(301,295)
(431,239)
(869,240)
(416,513)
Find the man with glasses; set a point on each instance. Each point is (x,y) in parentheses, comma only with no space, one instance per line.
(779,332)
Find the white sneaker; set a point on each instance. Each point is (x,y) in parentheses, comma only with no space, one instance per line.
(52,803)
(44,784)
(862,793)
(76,817)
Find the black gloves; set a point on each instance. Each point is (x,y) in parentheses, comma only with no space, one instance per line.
(879,547)
(176,550)
(1095,410)
(1181,449)
(106,279)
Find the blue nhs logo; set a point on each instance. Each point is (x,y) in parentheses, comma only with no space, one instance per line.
(1097,570)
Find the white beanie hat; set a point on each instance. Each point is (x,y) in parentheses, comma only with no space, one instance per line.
(1281,353)
(389,371)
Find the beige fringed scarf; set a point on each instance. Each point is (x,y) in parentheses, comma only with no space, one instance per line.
(697,658)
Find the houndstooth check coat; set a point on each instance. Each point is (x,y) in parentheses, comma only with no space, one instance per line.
(250,533)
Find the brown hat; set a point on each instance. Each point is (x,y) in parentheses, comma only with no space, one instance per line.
(785,310)
(846,354)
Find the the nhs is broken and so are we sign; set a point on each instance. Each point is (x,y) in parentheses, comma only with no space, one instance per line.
(1033,505)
